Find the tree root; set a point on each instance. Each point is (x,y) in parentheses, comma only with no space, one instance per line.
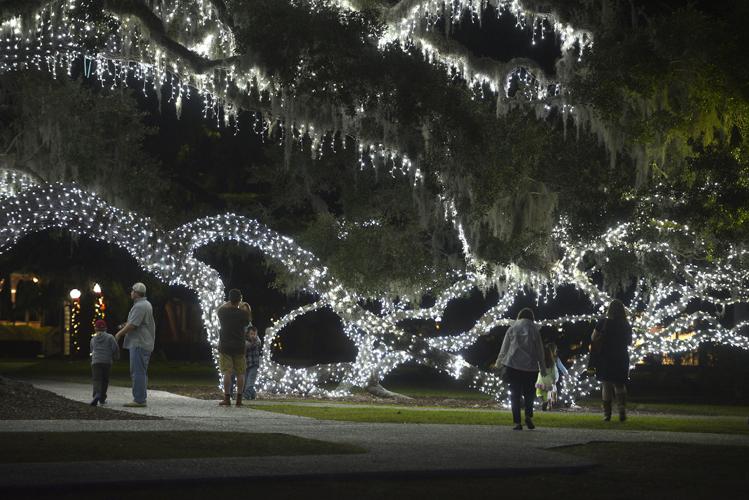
(381,392)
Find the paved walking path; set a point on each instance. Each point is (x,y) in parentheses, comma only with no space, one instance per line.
(392,449)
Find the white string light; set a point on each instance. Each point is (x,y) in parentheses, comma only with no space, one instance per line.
(59,35)
(56,41)
(661,322)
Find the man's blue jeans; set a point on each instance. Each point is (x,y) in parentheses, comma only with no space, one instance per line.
(139,358)
(249,382)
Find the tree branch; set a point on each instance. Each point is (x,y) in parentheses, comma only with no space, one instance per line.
(449,48)
(159,36)
(149,20)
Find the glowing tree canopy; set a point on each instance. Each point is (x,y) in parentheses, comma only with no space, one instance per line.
(451,170)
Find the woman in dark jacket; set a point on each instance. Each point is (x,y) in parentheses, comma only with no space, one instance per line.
(614,334)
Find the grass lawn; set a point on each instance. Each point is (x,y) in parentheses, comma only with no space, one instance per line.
(693,409)
(627,470)
(92,446)
(680,408)
(173,375)
(723,425)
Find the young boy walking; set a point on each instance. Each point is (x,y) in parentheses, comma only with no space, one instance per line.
(104,350)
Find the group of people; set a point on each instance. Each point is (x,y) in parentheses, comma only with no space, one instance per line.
(239,349)
(532,369)
(529,367)
(139,333)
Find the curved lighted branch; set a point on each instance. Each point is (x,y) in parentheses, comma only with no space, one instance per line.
(661,319)
(659,309)
(381,345)
(406,18)
(158,35)
(480,70)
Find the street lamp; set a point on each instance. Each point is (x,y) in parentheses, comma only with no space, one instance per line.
(99,305)
(75,314)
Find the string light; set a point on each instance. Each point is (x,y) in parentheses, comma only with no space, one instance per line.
(207,60)
(661,322)
(100,307)
(57,39)
(75,318)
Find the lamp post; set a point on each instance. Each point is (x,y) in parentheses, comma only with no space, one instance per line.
(99,305)
(73,325)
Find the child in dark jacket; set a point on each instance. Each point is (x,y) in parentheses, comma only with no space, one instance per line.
(104,350)
(253,354)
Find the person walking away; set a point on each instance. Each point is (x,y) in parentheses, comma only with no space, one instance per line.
(522,355)
(231,345)
(546,386)
(561,371)
(614,334)
(140,335)
(253,353)
(104,350)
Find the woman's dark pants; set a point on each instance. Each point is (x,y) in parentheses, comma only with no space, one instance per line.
(522,386)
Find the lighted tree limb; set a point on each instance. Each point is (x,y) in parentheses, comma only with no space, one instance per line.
(451,52)
(158,35)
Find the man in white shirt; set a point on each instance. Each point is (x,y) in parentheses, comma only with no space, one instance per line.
(140,334)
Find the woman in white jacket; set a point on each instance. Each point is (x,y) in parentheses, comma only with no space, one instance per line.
(522,355)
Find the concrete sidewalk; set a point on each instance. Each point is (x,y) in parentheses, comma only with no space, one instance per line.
(393,450)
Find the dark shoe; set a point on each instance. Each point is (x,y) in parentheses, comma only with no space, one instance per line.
(94,401)
(622,416)
(607,418)
(529,423)
(134,404)
(545,406)
(226,401)
(517,427)
(239,400)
